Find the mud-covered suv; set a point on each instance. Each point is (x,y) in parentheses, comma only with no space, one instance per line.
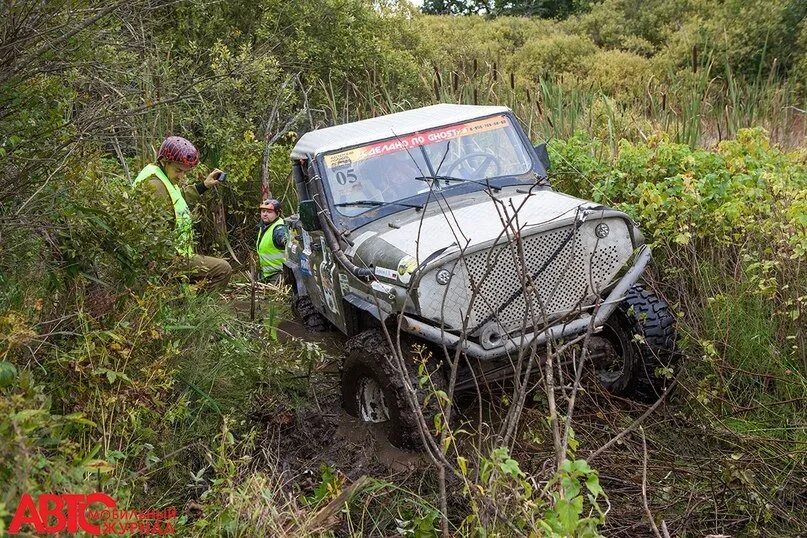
(442,219)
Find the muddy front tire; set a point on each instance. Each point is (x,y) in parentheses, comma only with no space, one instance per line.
(373,388)
(635,352)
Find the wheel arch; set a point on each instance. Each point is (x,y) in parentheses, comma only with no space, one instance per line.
(292,275)
(361,315)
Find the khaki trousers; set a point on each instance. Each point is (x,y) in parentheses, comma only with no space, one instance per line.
(213,273)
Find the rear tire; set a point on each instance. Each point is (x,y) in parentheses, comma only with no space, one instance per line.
(373,389)
(628,365)
(308,314)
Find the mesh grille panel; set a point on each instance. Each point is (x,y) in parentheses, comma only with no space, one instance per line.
(568,267)
(559,287)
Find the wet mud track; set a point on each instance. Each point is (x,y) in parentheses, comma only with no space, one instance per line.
(319,432)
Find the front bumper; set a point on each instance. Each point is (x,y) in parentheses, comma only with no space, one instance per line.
(602,310)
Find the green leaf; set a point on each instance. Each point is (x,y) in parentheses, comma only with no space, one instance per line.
(100,466)
(510,467)
(26,414)
(463,464)
(8,373)
(593,485)
(569,514)
(570,485)
(582,466)
(78,418)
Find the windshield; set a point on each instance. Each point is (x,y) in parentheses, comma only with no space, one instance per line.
(404,166)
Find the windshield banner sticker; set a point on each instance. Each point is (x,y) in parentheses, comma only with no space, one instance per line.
(425,138)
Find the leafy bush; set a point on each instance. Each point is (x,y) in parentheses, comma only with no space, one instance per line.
(758,35)
(638,27)
(618,74)
(445,38)
(735,215)
(38,451)
(505,500)
(552,56)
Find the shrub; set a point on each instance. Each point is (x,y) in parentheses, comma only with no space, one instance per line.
(618,74)
(739,209)
(542,57)
(445,38)
(639,27)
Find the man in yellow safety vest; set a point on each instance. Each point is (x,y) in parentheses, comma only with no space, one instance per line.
(271,244)
(175,158)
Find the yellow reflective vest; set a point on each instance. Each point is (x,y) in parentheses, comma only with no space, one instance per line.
(182,214)
(270,257)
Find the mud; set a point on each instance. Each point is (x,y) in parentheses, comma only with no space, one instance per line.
(305,440)
(321,433)
(681,455)
(331,342)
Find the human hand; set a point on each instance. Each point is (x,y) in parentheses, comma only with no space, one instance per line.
(212,178)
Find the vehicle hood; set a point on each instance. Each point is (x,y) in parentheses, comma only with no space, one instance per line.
(471,220)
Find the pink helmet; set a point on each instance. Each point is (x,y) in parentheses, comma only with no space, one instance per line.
(179,150)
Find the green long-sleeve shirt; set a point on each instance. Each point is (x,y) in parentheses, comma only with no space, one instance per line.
(191,193)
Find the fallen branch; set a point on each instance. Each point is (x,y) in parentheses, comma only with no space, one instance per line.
(332,507)
(633,426)
(644,486)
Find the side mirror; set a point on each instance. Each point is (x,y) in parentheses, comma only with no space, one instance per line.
(543,156)
(308,215)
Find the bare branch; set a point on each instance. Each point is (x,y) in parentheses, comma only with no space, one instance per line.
(644,486)
(635,423)
(27,60)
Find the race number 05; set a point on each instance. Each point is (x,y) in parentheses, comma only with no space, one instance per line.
(346,177)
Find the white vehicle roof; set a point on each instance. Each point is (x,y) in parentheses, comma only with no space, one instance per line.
(371,130)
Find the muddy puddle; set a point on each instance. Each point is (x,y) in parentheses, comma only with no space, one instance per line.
(320,432)
(374,436)
(303,441)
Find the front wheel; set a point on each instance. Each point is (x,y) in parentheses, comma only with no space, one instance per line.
(634,354)
(373,388)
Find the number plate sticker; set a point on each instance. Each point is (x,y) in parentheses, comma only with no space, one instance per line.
(386,273)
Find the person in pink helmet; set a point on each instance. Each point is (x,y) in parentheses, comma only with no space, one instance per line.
(176,157)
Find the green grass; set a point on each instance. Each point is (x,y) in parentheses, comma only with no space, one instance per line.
(697,109)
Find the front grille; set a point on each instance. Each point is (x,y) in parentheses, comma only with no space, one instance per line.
(569,266)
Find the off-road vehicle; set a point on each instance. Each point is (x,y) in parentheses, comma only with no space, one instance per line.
(442,219)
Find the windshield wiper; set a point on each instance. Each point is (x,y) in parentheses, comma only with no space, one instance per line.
(458,179)
(542,181)
(376,203)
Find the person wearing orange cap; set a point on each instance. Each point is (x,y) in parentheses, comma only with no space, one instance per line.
(271,244)
(176,157)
